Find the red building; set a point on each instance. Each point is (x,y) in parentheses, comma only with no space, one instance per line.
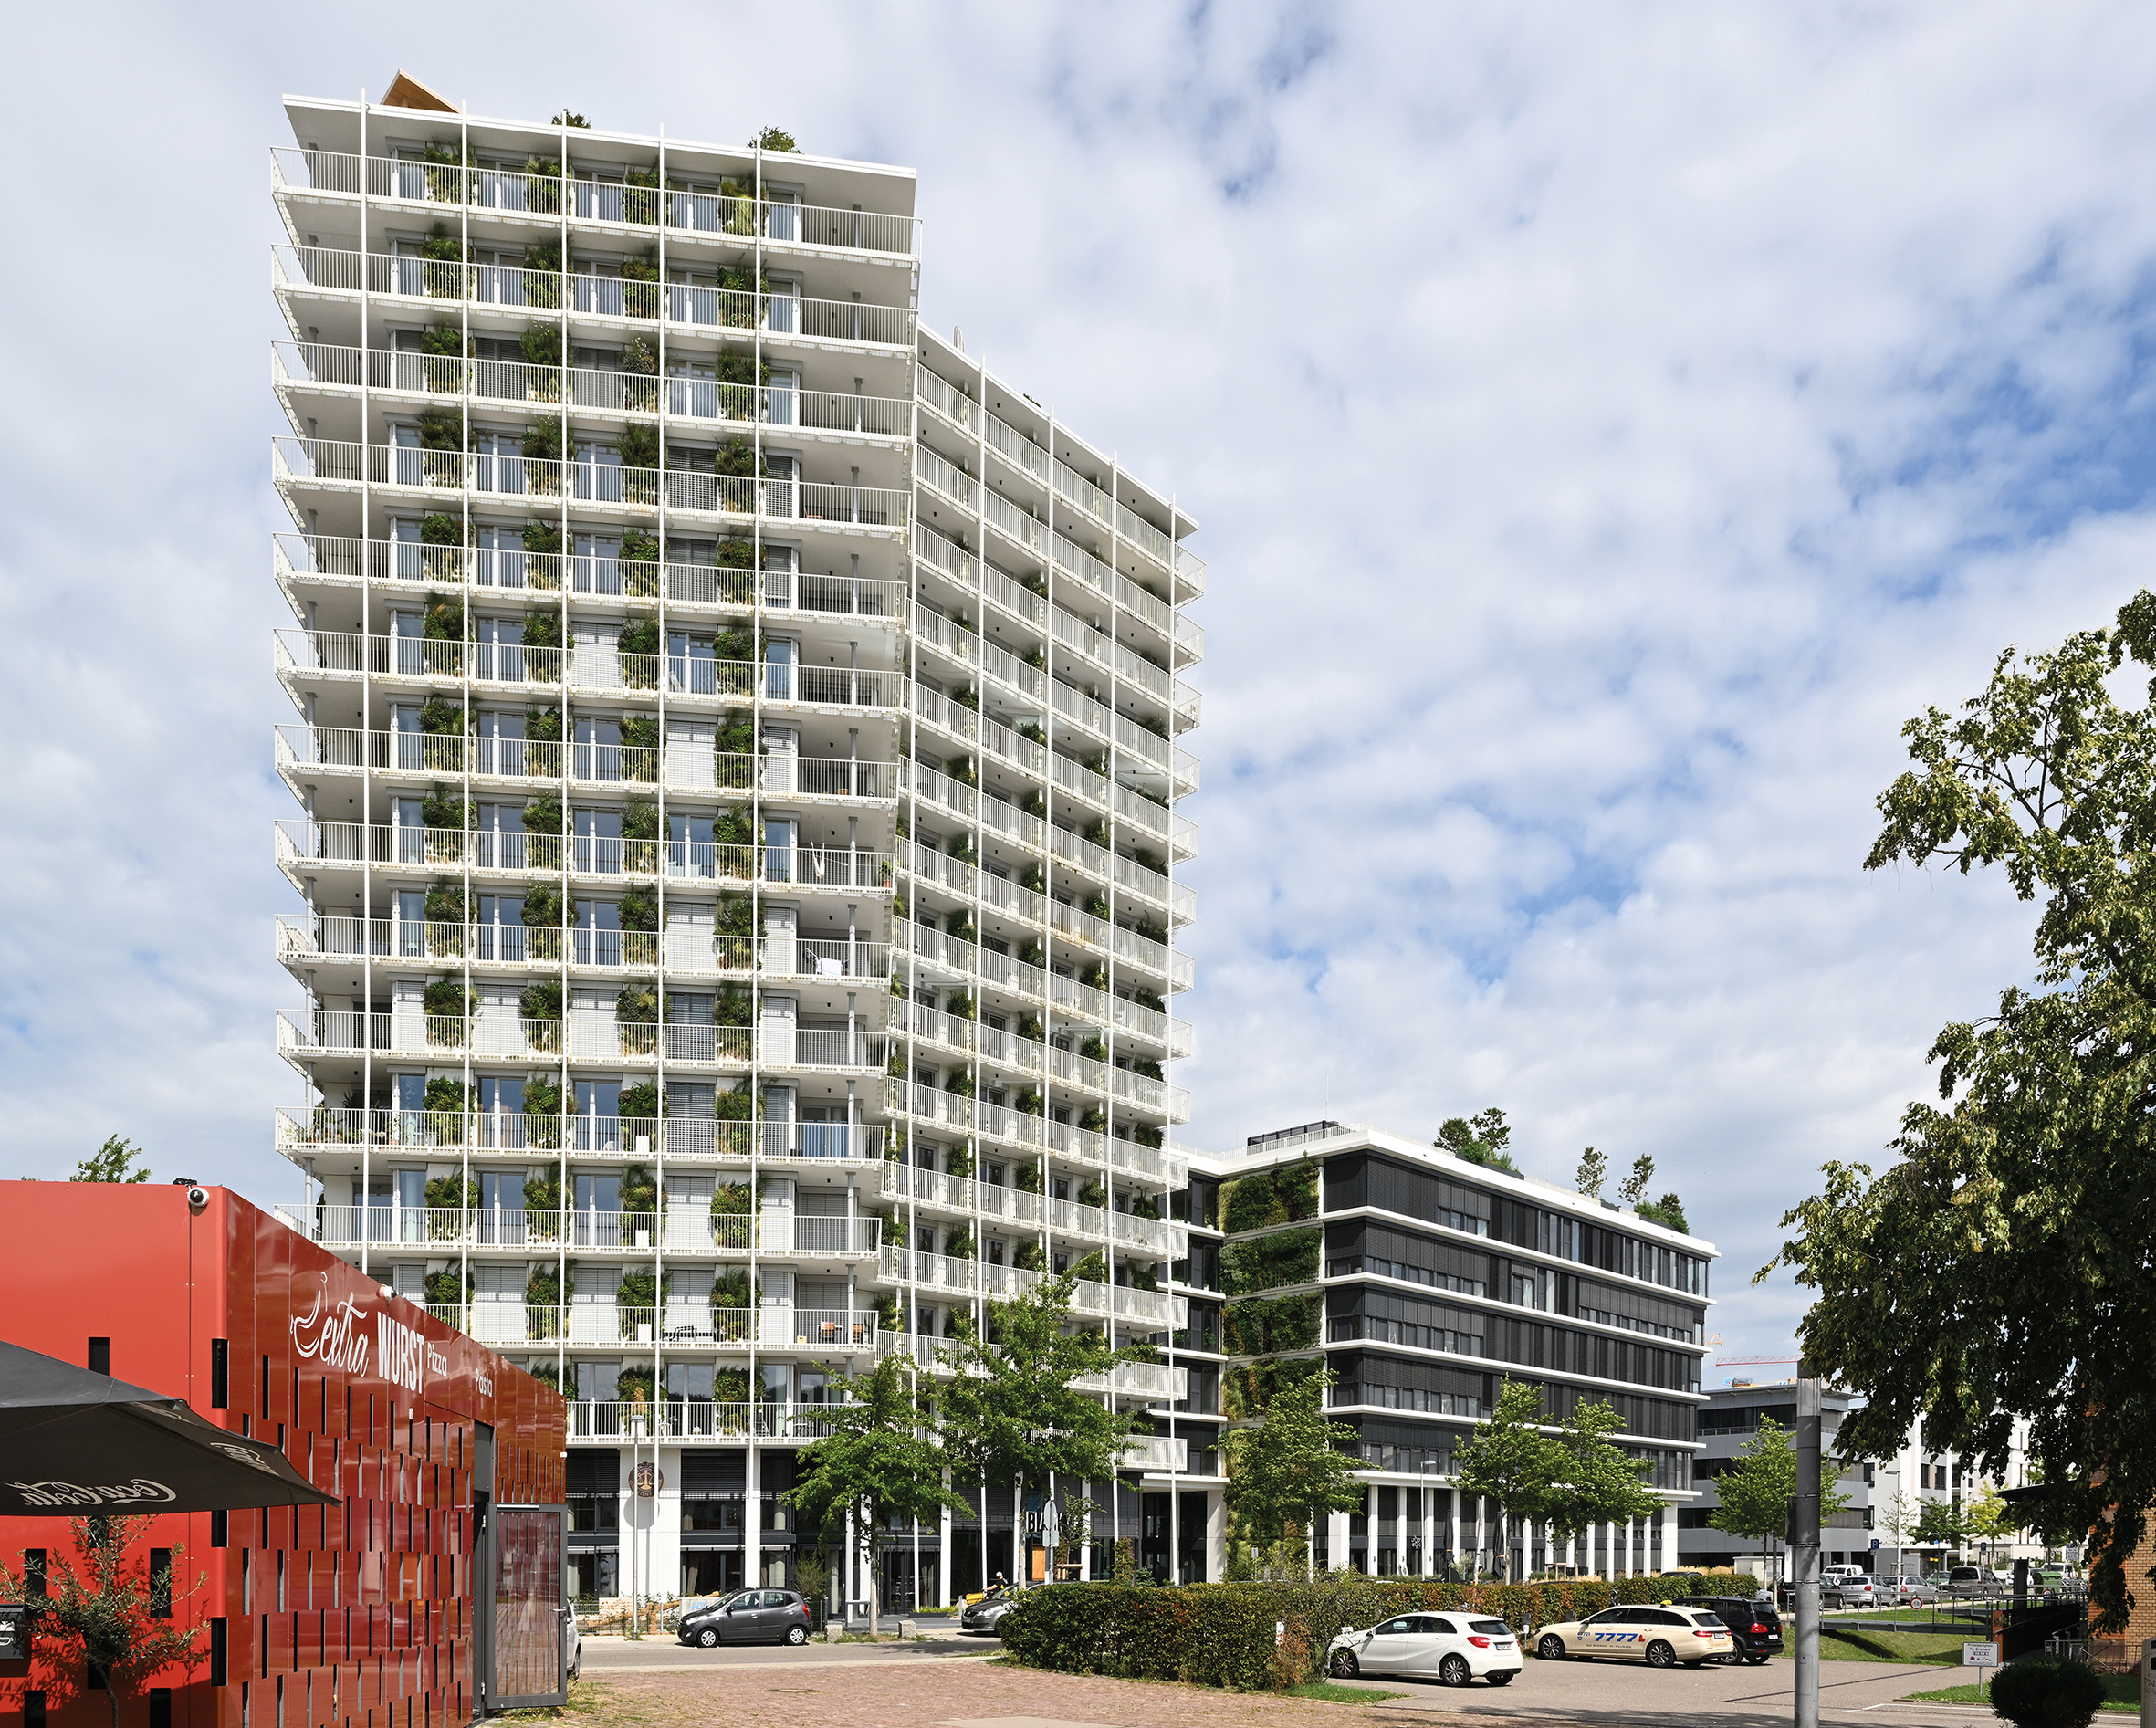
(360,1613)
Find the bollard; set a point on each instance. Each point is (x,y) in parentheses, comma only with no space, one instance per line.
(905,1629)
(833,1631)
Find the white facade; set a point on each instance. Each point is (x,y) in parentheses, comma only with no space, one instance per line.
(735,756)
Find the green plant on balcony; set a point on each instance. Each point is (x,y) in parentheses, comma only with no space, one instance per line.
(963,769)
(447,998)
(1148,998)
(736,915)
(963,849)
(1091,1193)
(542,1112)
(1146,1136)
(1029,1103)
(1144,1206)
(446,1290)
(1030,1027)
(635,1384)
(639,746)
(636,1016)
(541,262)
(1025,1177)
(1094,1047)
(542,539)
(1151,861)
(640,446)
(736,552)
(1092,1269)
(1098,832)
(959,1161)
(445,903)
(451,1194)
(639,546)
(443,252)
(1034,802)
(541,345)
(544,440)
(1097,908)
(640,1193)
(736,459)
(776,137)
(441,429)
(735,1103)
(639,357)
(639,908)
(438,528)
(895,1065)
(642,269)
(1092,1121)
(1151,932)
(1037,658)
(1093,976)
(1030,1257)
(959,1084)
(1151,796)
(960,1006)
(738,643)
(445,1095)
(1144,1275)
(730,1288)
(543,1288)
(444,619)
(638,1109)
(1034,877)
(542,1189)
(958,1244)
(733,828)
(1146,1067)
(443,716)
(639,650)
(732,1199)
(539,1005)
(737,735)
(640,819)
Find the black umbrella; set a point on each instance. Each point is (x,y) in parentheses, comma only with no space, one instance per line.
(73,1443)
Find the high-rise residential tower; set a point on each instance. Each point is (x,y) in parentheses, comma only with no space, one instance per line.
(736,757)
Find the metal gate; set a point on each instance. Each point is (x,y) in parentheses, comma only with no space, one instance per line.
(527,1607)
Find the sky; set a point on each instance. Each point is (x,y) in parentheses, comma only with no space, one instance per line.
(1608,425)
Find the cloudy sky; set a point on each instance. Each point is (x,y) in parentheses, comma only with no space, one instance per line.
(1608,423)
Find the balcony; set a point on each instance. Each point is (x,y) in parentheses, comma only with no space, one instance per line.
(1156,1454)
(340,176)
(327,1128)
(436,378)
(681,1229)
(343,561)
(306,1035)
(349,657)
(679,1326)
(1127,1232)
(1004,746)
(1037,1135)
(332,463)
(699,1421)
(923,1272)
(304,846)
(967,962)
(935,1033)
(312,941)
(1150,1382)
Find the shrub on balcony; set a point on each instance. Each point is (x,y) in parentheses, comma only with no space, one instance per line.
(644,266)
(736,366)
(1033,732)
(441,246)
(640,819)
(1028,1257)
(1146,1067)
(541,345)
(733,828)
(448,999)
(1028,1102)
(542,1117)
(737,1103)
(963,849)
(544,440)
(445,1095)
(731,1199)
(736,552)
(1146,1136)
(1098,832)
(960,1083)
(958,1244)
(445,903)
(1093,976)
(1097,908)
(639,1104)
(542,1287)
(640,732)
(639,546)
(1149,998)
(1094,1121)
(960,1006)
(738,643)
(543,1187)
(1151,861)
(1144,1206)
(959,1161)
(634,1385)
(1035,877)
(1092,1268)
(444,620)
(445,1289)
(736,459)
(542,539)
(639,908)
(640,446)
(637,1014)
(540,1000)
(1034,802)
(453,1194)
(442,341)
(1025,1177)
(1144,1275)
(963,769)
(442,717)
(737,735)
(441,429)
(1094,1047)
(639,357)
(640,1194)
(438,528)
(1091,1193)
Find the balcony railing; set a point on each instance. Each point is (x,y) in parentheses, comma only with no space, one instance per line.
(301,845)
(302,940)
(971,1277)
(678,1325)
(777,316)
(586,390)
(303,1034)
(683,1228)
(332,173)
(591,665)
(343,560)
(970,960)
(949,1111)
(1016,1056)
(584,480)
(692,1421)
(1129,1232)
(1154,1382)
(329,1127)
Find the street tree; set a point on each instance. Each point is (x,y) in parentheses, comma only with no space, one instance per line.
(112,1162)
(1507,1461)
(876,1461)
(1944,1523)
(1990,1518)
(1898,1518)
(107,1611)
(2020,1219)
(1011,1413)
(1593,1482)
(1288,1470)
(1480,1138)
(1756,1486)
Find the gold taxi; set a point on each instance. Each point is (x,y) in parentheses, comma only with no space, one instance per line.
(1661,1638)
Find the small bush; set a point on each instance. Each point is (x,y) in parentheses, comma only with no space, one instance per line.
(2047,1691)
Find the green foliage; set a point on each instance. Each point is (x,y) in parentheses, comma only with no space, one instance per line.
(1633,1189)
(97,1610)
(443,808)
(1283,1194)
(541,345)
(639,1103)
(1593,1172)
(445,1095)
(637,1385)
(540,538)
(445,1289)
(1480,1139)
(544,440)
(1268,1262)
(2045,1690)
(1668,1212)
(1756,1486)
(441,429)
(2018,1219)
(732,1199)
(640,819)
(567,118)
(1292,1468)
(730,1288)
(442,717)
(639,908)
(774,138)
(449,998)
(540,1000)
(542,1287)
(542,1188)
(640,446)
(637,1004)
(1594,1483)
(1222,1634)
(112,1162)
(737,1103)
(1507,1460)
(1265,1326)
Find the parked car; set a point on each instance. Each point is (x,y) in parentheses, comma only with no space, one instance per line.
(986,1613)
(1861,1591)
(1754,1628)
(1975,1581)
(1828,1575)
(1905,1590)
(751,1616)
(572,1643)
(1456,1648)
(1661,1638)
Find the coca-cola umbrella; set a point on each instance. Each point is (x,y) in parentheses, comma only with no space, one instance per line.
(73,1443)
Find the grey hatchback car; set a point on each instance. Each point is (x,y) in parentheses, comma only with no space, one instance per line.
(751,1616)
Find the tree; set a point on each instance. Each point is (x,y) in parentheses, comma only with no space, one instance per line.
(1633,1189)
(105,1613)
(1898,1518)
(1945,1522)
(110,1163)
(1989,1515)
(1593,1482)
(1011,1412)
(1480,1139)
(2020,1222)
(1291,1468)
(1758,1484)
(1509,1461)
(1668,1212)
(777,138)
(877,1460)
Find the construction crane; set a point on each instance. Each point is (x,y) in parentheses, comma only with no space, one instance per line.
(1754,1361)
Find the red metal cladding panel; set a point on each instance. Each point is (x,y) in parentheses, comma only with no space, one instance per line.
(373,1398)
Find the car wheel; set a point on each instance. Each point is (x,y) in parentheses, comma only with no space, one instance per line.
(1755,1661)
(1660,1655)
(1551,1648)
(796,1635)
(1500,1680)
(1345,1666)
(1453,1670)
(708,1637)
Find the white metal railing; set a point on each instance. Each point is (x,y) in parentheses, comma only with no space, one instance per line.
(691,1421)
(436,282)
(331,462)
(680,948)
(682,1229)
(969,960)
(343,560)
(997,1203)
(588,199)
(970,1277)
(683,397)
(301,843)
(326,1032)
(632,1137)
(1022,1059)
(1156,1454)
(1154,1382)
(1035,1133)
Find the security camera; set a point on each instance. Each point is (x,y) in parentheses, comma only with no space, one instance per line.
(197,1198)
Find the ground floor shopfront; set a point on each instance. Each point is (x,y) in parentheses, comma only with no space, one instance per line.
(1409,1527)
(662,1520)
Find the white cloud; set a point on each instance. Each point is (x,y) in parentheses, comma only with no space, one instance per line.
(1609,424)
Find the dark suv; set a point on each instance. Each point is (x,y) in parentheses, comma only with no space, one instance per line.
(1754,1628)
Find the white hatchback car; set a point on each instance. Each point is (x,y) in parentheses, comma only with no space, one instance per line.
(1453,1648)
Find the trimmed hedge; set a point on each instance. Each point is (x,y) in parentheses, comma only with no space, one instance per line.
(1223,1634)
